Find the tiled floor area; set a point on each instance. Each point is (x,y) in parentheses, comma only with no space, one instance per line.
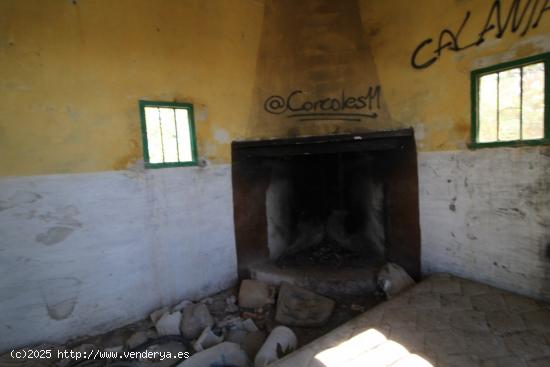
(444,321)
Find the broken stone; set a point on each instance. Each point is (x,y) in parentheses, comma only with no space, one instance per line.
(231,309)
(236,336)
(231,305)
(281,341)
(252,342)
(223,354)
(229,321)
(393,279)
(301,307)
(207,339)
(252,315)
(139,337)
(255,294)
(207,300)
(249,325)
(237,323)
(156,315)
(180,306)
(231,300)
(169,324)
(195,318)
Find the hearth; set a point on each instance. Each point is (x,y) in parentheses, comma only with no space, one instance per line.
(326,211)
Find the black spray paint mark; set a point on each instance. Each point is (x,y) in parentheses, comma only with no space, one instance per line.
(452,205)
(330,108)
(516,19)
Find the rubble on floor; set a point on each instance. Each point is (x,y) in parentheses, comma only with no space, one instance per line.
(238,328)
(393,279)
(299,307)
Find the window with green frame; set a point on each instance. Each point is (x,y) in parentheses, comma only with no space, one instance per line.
(509,103)
(168,133)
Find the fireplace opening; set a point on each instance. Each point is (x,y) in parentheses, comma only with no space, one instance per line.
(326,212)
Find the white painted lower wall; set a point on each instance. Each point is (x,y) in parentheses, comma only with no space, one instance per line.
(485,215)
(85,253)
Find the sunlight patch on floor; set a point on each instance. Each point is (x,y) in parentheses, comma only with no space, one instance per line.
(370,348)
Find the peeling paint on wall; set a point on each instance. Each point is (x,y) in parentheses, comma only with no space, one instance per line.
(484,208)
(60,296)
(54,235)
(19,198)
(112,247)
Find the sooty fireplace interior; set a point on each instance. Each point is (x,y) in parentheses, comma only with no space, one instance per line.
(327,211)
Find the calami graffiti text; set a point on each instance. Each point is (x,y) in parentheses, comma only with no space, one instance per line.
(522,16)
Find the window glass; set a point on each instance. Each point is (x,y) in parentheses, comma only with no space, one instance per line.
(510,103)
(168,134)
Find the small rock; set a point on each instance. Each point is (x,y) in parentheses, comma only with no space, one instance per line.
(207,301)
(255,294)
(393,279)
(252,315)
(231,300)
(207,339)
(252,343)
(249,325)
(156,315)
(280,340)
(236,336)
(180,306)
(231,306)
(301,307)
(223,354)
(357,308)
(195,318)
(229,321)
(169,324)
(139,337)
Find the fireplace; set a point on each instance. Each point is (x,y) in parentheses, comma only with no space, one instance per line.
(326,211)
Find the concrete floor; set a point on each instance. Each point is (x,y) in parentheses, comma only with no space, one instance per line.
(442,321)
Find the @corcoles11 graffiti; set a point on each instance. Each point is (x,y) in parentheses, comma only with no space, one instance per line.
(342,108)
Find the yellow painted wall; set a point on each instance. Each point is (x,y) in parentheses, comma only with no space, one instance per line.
(436,100)
(72,71)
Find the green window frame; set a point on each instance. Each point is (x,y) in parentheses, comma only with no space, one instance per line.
(185,142)
(503,67)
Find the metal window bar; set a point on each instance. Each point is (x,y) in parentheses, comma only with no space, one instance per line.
(476,75)
(177,140)
(161,136)
(521,103)
(498,106)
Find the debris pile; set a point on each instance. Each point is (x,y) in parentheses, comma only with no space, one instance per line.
(255,326)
